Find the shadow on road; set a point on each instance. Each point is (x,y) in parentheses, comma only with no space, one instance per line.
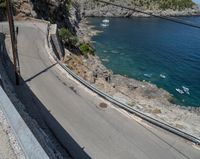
(31,78)
(35,108)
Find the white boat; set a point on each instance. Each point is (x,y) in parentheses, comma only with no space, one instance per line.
(162,76)
(105,60)
(104,25)
(105,21)
(186,90)
(179,91)
(148,75)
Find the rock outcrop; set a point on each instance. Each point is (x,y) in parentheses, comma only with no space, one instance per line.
(65,13)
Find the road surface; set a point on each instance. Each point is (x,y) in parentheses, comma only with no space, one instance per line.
(108,133)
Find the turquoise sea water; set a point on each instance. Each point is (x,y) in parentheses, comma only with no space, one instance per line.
(164,53)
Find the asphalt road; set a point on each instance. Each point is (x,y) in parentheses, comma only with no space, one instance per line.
(108,133)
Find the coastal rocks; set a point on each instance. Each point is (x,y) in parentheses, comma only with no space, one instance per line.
(89,68)
(99,70)
(133,88)
(86,31)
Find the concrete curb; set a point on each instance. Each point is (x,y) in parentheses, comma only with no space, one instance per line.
(29,144)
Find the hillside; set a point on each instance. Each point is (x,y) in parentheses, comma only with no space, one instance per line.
(58,10)
(161,7)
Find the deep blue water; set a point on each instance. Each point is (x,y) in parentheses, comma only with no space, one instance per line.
(141,47)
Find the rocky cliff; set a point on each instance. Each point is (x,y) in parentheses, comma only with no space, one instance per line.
(68,12)
(55,11)
(159,7)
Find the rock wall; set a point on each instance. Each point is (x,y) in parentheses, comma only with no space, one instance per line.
(62,12)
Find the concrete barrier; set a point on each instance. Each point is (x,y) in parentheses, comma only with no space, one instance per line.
(29,144)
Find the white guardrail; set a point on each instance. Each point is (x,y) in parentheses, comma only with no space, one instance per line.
(128,108)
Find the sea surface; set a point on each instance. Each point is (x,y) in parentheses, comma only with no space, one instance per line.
(162,52)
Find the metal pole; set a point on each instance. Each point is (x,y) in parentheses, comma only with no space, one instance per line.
(13,40)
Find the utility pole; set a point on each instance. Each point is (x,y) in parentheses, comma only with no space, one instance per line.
(13,40)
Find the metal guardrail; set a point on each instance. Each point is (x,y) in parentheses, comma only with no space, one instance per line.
(130,109)
(124,106)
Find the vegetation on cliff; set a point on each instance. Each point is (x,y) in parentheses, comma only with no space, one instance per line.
(161,7)
(174,4)
(2,4)
(165,4)
(156,4)
(67,36)
(72,43)
(86,49)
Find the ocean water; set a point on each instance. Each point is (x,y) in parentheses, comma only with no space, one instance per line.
(196,1)
(151,49)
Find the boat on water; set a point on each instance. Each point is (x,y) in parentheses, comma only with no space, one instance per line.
(148,75)
(105,21)
(186,90)
(104,24)
(179,91)
(105,60)
(162,76)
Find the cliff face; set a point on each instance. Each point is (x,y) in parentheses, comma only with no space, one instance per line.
(160,7)
(55,11)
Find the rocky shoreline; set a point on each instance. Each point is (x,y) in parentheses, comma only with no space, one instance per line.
(140,95)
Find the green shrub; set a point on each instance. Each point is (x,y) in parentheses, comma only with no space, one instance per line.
(68,37)
(68,5)
(86,49)
(65,34)
(74,40)
(175,4)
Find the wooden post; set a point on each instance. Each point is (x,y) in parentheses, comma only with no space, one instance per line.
(13,40)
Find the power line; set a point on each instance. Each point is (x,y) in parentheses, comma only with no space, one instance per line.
(172,19)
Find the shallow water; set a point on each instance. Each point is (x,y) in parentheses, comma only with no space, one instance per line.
(164,53)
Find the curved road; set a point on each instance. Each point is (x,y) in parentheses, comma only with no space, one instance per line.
(101,133)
